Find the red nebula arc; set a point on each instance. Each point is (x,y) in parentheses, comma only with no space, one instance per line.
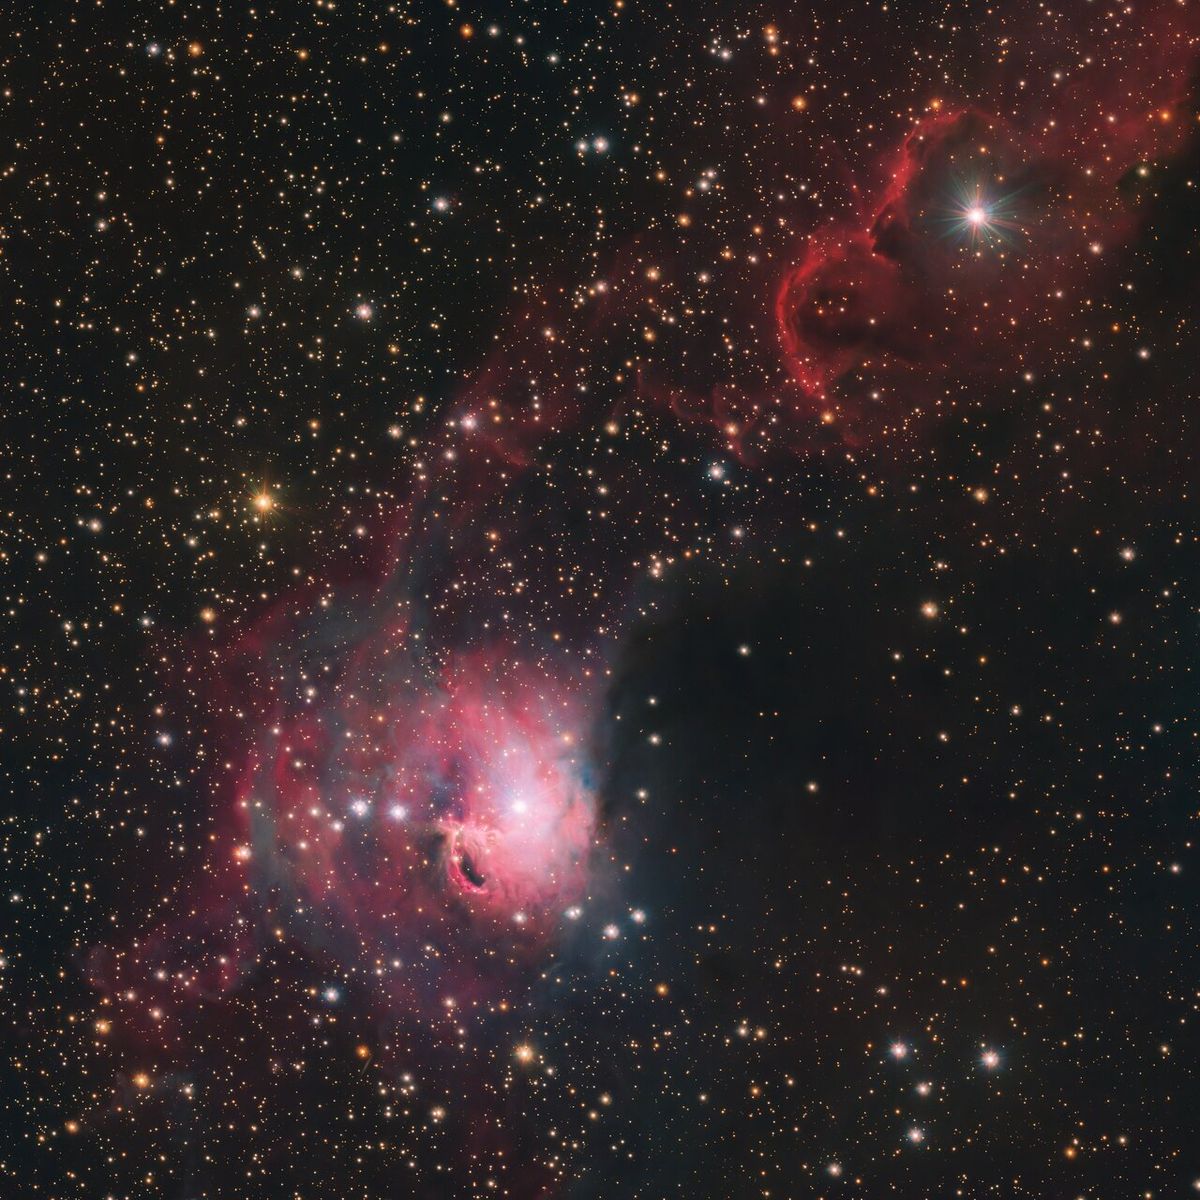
(878,317)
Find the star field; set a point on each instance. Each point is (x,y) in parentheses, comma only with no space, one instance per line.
(599,599)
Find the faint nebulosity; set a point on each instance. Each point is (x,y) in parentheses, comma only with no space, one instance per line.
(601,600)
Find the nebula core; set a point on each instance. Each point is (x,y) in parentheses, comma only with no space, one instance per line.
(450,807)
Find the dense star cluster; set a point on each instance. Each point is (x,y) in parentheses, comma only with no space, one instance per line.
(599,600)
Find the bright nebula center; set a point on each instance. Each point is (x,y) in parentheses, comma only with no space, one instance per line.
(425,820)
(517,839)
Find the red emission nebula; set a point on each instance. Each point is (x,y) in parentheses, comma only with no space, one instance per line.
(986,240)
(413,799)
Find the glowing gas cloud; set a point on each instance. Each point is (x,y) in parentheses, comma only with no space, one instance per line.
(407,806)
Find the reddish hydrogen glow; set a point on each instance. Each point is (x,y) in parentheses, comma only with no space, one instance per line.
(411,807)
(879,313)
(430,833)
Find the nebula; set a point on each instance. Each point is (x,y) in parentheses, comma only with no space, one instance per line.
(408,793)
(456,804)
(987,237)
(414,790)
(431,833)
